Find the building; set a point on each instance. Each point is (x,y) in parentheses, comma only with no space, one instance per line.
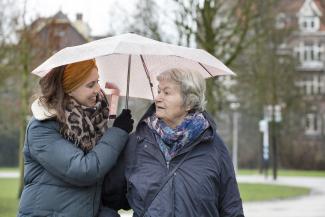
(54,33)
(307,44)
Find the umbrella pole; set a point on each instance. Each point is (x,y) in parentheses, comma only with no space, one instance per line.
(147,73)
(128,84)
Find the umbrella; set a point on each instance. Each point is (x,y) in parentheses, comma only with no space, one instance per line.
(132,62)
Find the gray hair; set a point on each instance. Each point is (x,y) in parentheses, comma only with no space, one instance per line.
(192,85)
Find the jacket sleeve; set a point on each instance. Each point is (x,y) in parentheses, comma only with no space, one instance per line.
(115,188)
(230,203)
(115,184)
(62,159)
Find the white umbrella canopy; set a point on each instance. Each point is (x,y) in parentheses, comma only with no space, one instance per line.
(132,62)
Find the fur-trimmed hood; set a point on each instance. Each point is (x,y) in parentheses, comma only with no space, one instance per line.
(41,112)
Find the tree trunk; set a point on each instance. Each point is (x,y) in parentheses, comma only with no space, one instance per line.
(23,111)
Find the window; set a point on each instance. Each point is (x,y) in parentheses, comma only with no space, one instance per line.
(309,23)
(312,124)
(59,33)
(309,54)
(313,85)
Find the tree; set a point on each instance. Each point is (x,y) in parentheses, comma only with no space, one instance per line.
(20,58)
(146,20)
(12,58)
(244,36)
(8,88)
(221,28)
(267,77)
(8,23)
(24,48)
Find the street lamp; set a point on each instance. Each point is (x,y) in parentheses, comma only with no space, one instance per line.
(264,129)
(234,106)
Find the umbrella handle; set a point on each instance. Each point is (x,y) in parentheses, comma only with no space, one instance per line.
(128,83)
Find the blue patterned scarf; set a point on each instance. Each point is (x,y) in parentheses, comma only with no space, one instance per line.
(170,140)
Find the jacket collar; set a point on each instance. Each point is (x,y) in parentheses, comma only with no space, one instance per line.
(150,111)
(41,112)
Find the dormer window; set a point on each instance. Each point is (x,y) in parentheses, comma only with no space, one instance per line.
(309,24)
(309,17)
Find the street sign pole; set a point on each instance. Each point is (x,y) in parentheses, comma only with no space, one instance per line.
(272,113)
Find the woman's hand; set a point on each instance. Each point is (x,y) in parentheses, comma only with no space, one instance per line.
(124,121)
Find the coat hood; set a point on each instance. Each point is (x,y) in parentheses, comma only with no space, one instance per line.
(41,112)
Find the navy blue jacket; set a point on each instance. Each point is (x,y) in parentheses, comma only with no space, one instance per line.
(204,185)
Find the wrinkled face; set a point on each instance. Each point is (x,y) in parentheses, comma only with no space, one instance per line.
(169,103)
(86,93)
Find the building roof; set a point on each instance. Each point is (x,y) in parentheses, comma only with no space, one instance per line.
(293,6)
(58,18)
(290,6)
(292,9)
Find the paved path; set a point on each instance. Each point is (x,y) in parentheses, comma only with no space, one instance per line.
(312,205)
(9,175)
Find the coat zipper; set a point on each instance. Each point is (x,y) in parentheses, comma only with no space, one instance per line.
(167,162)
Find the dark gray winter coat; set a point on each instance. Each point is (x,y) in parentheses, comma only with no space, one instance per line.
(204,185)
(60,180)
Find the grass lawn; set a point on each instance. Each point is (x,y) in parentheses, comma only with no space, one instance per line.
(260,192)
(283,172)
(249,192)
(9,169)
(8,197)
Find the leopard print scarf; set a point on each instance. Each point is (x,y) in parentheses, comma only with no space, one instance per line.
(84,125)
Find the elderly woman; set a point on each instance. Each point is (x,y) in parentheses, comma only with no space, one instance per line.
(175,163)
(69,147)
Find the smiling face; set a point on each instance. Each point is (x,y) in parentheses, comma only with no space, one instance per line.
(86,93)
(169,103)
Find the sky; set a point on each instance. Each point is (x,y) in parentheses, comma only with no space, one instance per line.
(96,13)
(103,16)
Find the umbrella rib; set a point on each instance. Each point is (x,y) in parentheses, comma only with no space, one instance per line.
(205,69)
(128,83)
(147,73)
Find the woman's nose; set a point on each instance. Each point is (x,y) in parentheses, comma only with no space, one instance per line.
(97,88)
(158,98)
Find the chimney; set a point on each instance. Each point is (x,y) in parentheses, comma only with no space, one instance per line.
(79,16)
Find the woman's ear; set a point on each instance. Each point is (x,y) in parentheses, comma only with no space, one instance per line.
(70,94)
